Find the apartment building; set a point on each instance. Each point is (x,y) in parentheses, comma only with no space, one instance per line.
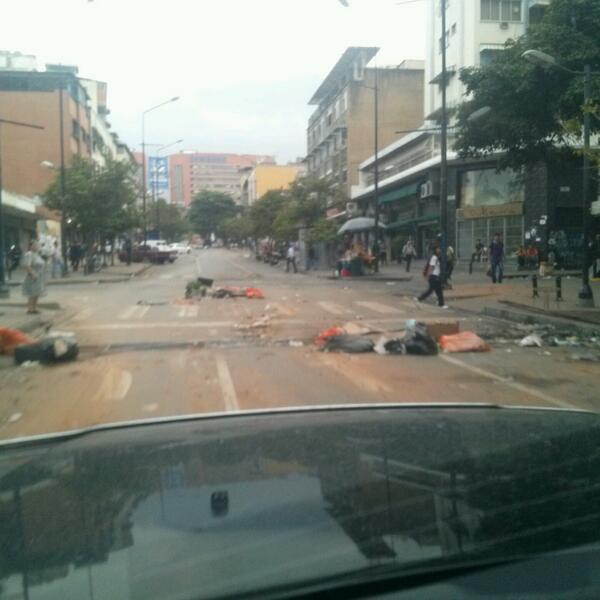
(340,132)
(193,172)
(481,201)
(263,178)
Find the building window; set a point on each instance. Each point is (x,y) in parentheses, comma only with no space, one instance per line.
(453,29)
(501,10)
(76,130)
(488,55)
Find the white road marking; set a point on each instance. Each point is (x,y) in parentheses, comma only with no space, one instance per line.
(512,384)
(128,312)
(188,311)
(85,314)
(166,276)
(332,307)
(154,325)
(214,332)
(137,311)
(384,309)
(366,383)
(152,407)
(114,386)
(227,387)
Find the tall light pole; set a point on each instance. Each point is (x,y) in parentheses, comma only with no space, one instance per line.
(444,153)
(585,295)
(4,289)
(144,187)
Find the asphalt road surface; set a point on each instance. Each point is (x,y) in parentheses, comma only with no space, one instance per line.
(145,354)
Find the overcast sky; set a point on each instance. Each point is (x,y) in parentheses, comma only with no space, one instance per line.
(244,69)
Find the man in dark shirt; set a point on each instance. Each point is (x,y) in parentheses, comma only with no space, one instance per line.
(496,256)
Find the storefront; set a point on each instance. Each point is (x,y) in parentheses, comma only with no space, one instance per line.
(490,202)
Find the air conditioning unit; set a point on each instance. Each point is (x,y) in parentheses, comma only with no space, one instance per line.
(504,25)
(352,209)
(426,190)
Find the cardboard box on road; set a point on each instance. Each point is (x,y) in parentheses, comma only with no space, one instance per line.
(442,327)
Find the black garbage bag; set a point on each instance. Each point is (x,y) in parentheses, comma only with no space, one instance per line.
(395,346)
(352,344)
(48,350)
(418,341)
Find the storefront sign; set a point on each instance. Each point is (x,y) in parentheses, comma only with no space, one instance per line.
(500,210)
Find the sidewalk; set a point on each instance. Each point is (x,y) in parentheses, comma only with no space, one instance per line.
(110,274)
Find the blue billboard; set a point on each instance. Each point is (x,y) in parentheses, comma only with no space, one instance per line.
(158,174)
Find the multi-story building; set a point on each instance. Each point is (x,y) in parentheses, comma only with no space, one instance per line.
(42,98)
(264,178)
(193,172)
(340,132)
(531,205)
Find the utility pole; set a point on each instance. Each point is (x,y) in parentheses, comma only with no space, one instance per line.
(376,168)
(444,155)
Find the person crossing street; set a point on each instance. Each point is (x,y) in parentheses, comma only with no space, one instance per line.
(290,259)
(433,272)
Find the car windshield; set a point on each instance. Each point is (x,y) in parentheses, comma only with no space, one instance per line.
(228,206)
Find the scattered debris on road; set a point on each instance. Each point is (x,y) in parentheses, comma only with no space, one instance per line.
(531,340)
(296,343)
(351,344)
(53,348)
(11,338)
(152,303)
(466,341)
(585,356)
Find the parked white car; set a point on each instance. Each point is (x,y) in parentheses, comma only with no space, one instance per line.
(180,248)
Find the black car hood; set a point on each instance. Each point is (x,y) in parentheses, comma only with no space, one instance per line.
(228,505)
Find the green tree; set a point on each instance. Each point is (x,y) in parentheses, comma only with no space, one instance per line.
(100,201)
(263,212)
(535,111)
(236,229)
(323,231)
(209,210)
(169,220)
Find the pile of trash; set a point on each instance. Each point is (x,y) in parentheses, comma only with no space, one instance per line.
(419,339)
(56,347)
(202,287)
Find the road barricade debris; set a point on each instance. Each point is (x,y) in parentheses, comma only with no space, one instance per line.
(53,348)
(11,338)
(466,341)
(352,344)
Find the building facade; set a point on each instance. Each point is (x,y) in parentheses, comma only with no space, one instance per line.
(263,178)
(340,132)
(531,206)
(194,172)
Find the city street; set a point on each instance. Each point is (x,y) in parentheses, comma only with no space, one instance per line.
(146,354)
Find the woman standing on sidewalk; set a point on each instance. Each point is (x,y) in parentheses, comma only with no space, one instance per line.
(33,284)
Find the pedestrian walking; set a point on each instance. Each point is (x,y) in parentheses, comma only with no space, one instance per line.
(432,273)
(496,257)
(75,253)
(450,261)
(56,261)
(408,253)
(312,258)
(290,259)
(33,284)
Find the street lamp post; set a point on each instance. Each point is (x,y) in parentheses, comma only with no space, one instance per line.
(585,295)
(444,154)
(144,186)
(4,289)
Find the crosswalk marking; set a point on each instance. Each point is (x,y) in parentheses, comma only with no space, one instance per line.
(154,325)
(134,312)
(383,309)
(86,313)
(166,276)
(188,311)
(332,307)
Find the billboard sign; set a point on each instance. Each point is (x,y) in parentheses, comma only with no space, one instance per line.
(158,174)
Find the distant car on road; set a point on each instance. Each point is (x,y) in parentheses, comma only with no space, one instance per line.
(156,253)
(180,248)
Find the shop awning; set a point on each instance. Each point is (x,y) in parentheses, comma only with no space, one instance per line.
(399,193)
(415,221)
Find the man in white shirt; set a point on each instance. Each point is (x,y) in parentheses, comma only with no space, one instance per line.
(290,258)
(432,273)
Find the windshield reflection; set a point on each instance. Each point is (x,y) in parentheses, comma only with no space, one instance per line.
(141,514)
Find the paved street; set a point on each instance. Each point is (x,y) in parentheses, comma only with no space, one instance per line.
(146,354)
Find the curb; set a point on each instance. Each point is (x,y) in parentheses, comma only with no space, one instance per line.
(528,319)
(67,281)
